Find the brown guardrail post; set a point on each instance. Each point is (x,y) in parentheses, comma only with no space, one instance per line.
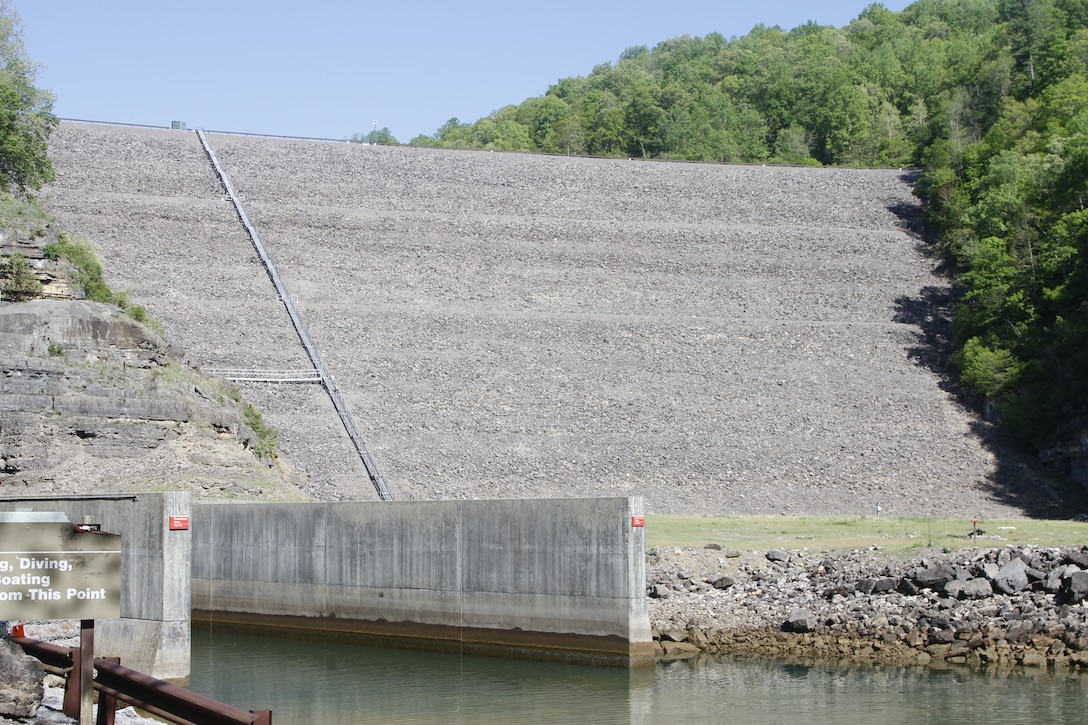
(86,671)
(107,704)
(262,717)
(72,686)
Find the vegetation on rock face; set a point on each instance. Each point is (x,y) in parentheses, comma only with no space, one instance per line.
(20,282)
(989,97)
(267,437)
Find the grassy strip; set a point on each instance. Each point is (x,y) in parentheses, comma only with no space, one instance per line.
(837,533)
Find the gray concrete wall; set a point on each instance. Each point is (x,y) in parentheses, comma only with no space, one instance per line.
(560,578)
(153,634)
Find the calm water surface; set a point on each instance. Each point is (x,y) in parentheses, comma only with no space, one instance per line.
(311,683)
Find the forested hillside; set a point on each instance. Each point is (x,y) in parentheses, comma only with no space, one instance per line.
(989,98)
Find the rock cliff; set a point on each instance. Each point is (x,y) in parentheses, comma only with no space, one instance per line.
(91,400)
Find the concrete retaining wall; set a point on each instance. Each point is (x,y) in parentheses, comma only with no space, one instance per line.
(153,634)
(560,579)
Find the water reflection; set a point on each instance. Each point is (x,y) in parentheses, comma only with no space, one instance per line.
(329,683)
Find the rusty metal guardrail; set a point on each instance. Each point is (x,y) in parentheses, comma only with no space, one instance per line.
(115,682)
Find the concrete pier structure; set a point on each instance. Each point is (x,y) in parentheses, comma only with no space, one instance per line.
(551,578)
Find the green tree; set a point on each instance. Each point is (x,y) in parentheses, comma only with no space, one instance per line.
(381,136)
(20,282)
(26,117)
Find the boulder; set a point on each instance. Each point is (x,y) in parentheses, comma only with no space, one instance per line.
(907,587)
(1057,575)
(1076,587)
(21,682)
(1031,659)
(934,576)
(800,620)
(977,588)
(723,582)
(865,586)
(780,555)
(1012,577)
(1078,557)
(885,585)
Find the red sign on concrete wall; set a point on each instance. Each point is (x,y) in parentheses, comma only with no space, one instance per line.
(179,523)
(638,521)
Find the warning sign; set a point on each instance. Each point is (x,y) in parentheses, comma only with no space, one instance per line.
(58,571)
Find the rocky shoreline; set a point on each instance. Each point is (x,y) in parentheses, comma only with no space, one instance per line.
(1005,606)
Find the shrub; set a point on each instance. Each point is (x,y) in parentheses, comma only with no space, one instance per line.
(88,267)
(267,438)
(20,282)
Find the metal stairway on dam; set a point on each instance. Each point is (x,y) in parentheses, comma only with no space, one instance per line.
(320,369)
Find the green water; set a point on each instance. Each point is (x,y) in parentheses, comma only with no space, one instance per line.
(311,683)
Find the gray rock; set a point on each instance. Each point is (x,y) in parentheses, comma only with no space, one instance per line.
(800,620)
(675,635)
(907,587)
(884,585)
(1077,556)
(865,586)
(937,622)
(778,555)
(723,582)
(942,636)
(21,681)
(1012,578)
(660,591)
(1076,586)
(934,576)
(977,588)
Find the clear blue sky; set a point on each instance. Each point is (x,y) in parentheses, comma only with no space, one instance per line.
(329,68)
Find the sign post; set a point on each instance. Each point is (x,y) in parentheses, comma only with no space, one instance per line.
(51,569)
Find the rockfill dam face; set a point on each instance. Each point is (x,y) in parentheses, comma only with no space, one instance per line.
(717,339)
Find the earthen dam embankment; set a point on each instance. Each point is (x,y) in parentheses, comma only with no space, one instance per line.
(715,338)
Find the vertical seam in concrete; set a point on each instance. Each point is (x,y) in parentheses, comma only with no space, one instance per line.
(461,576)
(325,561)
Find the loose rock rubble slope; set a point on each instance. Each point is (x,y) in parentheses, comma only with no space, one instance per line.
(1004,606)
(714,338)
